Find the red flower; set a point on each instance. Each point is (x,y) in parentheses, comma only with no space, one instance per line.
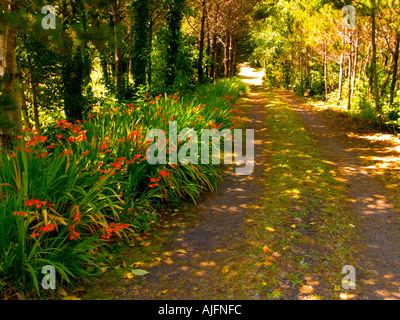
(47,228)
(68,152)
(29,203)
(42,155)
(85,153)
(164,173)
(20,213)
(73,234)
(154,179)
(153,185)
(34,235)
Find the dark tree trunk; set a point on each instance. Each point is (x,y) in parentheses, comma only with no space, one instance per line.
(200,70)
(395,69)
(374,68)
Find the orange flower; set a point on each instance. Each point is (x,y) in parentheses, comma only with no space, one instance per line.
(20,213)
(47,228)
(164,173)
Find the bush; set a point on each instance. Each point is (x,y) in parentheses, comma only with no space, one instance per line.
(72,188)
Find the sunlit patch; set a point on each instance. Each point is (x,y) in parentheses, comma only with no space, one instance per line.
(306,289)
(208,264)
(346,296)
(310,297)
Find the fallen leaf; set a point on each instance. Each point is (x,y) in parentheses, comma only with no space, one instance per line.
(270,229)
(110,257)
(139,272)
(162,293)
(71,298)
(293,226)
(104,269)
(183,251)
(79,289)
(337,287)
(128,275)
(158,259)
(123,264)
(62,292)
(352,225)
(266,249)
(225,269)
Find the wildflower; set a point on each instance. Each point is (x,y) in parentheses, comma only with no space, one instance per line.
(68,152)
(164,173)
(31,143)
(77,215)
(20,213)
(153,185)
(73,234)
(29,203)
(47,228)
(71,139)
(35,234)
(81,138)
(85,153)
(42,155)
(154,179)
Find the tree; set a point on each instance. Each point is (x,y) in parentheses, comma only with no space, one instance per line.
(174,24)
(141,41)
(10,100)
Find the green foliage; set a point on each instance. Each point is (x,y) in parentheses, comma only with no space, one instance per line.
(71,188)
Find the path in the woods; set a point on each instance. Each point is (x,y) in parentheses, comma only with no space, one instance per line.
(196,258)
(378,229)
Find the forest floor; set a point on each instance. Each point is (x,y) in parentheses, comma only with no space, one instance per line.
(322,196)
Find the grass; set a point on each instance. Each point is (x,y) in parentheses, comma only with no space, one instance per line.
(302,224)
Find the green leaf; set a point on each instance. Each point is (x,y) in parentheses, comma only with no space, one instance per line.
(139,272)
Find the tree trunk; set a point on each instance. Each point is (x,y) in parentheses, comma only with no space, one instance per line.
(10,83)
(350,72)
(208,51)
(355,65)
(340,78)
(226,54)
(374,69)
(395,69)
(149,63)
(234,57)
(117,52)
(213,70)
(326,70)
(200,70)
(34,101)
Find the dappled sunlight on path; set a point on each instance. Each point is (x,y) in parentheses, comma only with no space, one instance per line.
(251,76)
(378,227)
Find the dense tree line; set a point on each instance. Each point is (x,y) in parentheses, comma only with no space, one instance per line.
(123,47)
(304,47)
